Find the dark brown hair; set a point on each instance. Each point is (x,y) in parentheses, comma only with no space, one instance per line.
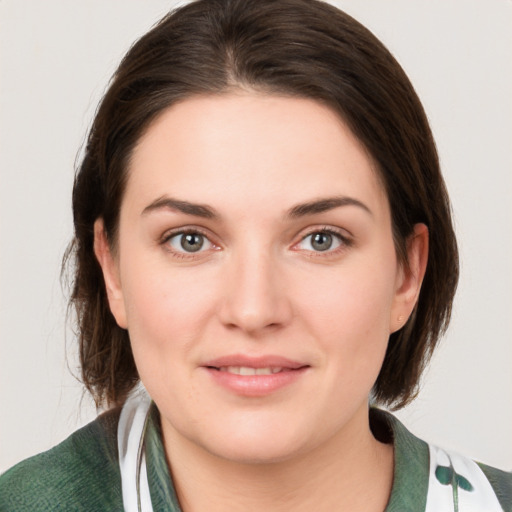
(302,48)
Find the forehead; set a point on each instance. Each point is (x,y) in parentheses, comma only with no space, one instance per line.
(251,149)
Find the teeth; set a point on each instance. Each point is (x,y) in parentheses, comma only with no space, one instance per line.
(263,371)
(246,370)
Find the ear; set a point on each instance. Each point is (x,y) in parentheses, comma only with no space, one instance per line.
(110,270)
(410,277)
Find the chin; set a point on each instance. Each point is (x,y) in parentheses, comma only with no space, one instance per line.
(255,451)
(252,439)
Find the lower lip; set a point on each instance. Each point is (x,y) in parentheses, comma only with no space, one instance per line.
(255,385)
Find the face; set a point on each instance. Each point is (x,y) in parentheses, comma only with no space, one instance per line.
(256,274)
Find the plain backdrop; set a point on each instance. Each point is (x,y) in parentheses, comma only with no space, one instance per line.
(56,58)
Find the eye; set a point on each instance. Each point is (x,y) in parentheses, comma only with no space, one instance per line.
(189,242)
(322,241)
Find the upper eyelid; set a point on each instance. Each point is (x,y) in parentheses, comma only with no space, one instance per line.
(341,232)
(334,234)
(170,233)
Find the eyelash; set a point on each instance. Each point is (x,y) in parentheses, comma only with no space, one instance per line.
(344,242)
(182,232)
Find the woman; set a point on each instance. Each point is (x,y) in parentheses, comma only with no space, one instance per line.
(263,238)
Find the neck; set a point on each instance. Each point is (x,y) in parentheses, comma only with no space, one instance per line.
(336,475)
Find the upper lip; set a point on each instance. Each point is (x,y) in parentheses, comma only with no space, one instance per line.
(265,361)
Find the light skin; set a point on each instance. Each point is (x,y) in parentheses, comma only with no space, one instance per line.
(255,227)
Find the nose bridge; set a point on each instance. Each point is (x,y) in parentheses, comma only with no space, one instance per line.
(255,297)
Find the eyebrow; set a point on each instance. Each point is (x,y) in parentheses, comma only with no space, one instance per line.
(168,203)
(324,205)
(297,211)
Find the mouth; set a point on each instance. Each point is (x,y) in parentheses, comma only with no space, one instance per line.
(255,376)
(248,370)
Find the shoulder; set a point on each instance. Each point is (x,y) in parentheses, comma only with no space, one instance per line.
(430,478)
(81,473)
(501,482)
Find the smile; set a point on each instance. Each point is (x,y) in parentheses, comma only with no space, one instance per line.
(255,376)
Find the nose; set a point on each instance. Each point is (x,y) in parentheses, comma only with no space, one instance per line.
(255,298)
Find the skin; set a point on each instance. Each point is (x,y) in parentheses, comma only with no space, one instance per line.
(258,286)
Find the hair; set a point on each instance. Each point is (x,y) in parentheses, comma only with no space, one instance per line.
(298,48)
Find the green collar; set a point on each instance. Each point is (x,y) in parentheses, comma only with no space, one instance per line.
(410,476)
(163,495)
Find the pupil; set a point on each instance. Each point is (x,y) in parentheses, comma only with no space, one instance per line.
(321,241)
(192,242)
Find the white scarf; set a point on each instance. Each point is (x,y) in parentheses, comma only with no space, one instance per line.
(457,483)
(132,457)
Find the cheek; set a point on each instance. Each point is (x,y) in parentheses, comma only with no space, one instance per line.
(166,309)
(350,316)
(348,300)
